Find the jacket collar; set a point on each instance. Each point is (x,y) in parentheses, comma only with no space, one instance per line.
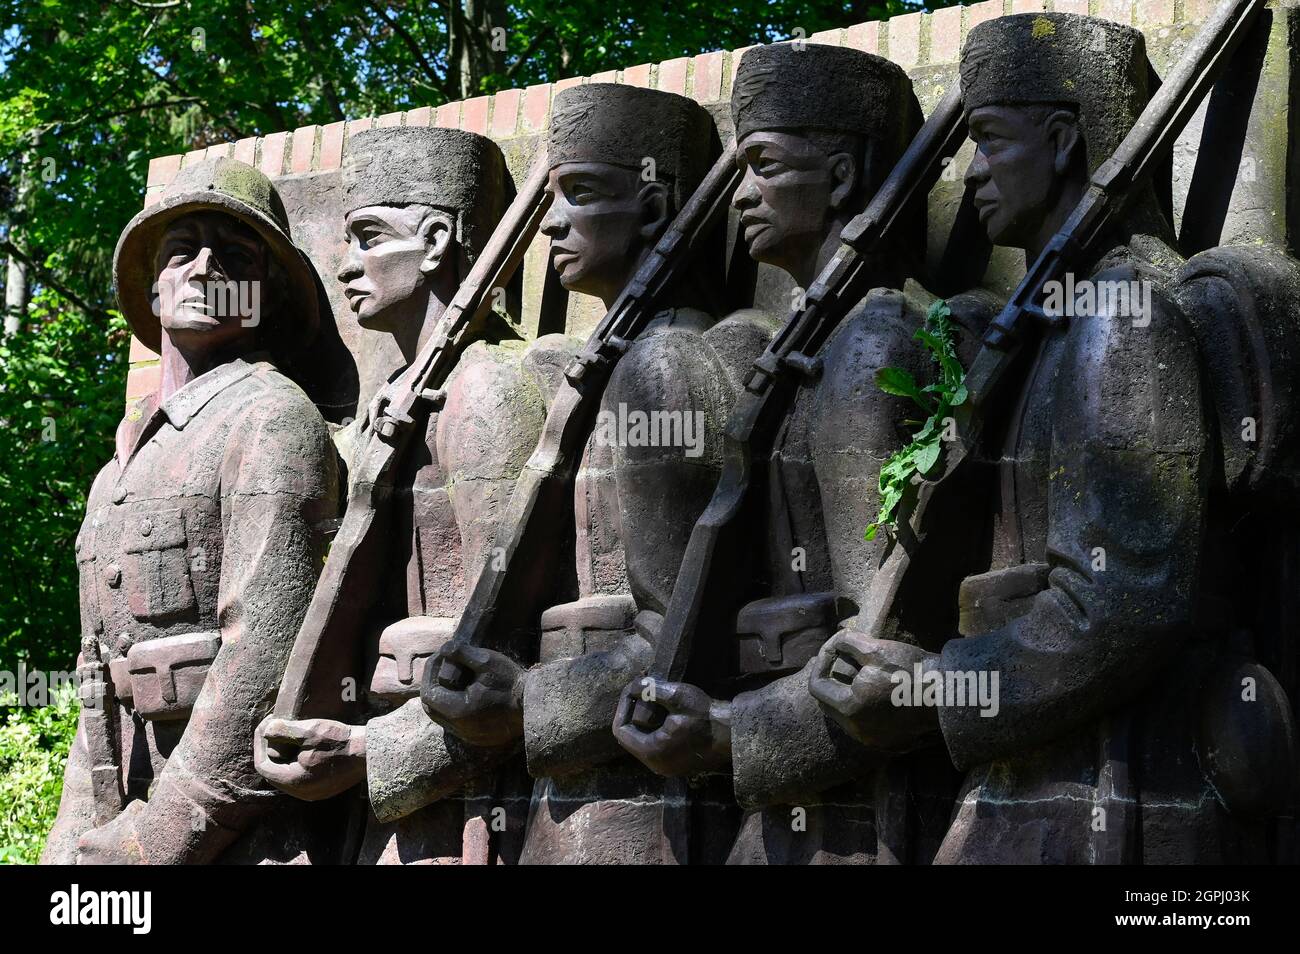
(146,414)
(182,406)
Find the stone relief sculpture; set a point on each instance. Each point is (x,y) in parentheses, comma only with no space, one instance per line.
(1098,556)
(420,204)
(1092,613)
(202,540)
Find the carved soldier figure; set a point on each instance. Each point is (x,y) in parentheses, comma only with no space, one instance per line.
(202,537)
(818,128)
(623,161)
(421,202)
(1095,618)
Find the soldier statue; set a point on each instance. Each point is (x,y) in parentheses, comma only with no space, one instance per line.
(1095,617)
(818,129)
(202,540)
(420,204)
(623,161)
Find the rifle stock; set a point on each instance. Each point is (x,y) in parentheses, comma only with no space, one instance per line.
(793,352)
(515,579)
(346,589)
(99,730)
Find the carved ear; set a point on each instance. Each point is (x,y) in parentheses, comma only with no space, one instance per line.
(654,209)
(1063,130)
(435,230)
(844,174)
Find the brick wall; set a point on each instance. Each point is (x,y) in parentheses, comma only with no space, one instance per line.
(927,45)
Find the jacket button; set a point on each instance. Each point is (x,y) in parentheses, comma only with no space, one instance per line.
(112,574)
(119,495)
(146,527)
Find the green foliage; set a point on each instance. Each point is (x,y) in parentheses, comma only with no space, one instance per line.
(61,384)
(34,743)
(937,400)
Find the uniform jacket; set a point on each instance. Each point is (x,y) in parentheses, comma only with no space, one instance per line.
(206,529)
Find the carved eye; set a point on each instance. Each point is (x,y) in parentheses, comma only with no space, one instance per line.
(238,256)
(580,194)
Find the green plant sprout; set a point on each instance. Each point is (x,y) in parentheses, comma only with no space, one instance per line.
(937,400)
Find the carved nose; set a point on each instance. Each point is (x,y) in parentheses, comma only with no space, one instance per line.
(746,196)
(166,683)
(349,270)
(207,265)
(553,224)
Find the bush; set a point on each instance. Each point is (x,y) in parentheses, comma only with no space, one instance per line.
(34,743)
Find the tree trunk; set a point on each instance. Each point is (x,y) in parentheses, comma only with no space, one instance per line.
(17,295)
(17,285)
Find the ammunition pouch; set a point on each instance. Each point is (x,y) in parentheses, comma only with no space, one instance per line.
(780,634)
(989,601)
(590,625)
(165,675)
(404,650)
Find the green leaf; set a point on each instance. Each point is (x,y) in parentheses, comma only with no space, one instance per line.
(898,382)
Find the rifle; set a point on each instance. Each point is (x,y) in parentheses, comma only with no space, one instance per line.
(510,585)
(345,591)
(791,354)
(1148,143)
(95,692)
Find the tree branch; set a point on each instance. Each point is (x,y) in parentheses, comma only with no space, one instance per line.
(46,277)
(410,44)
(529,50)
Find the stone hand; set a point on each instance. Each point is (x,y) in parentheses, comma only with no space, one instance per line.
(853,677)
(487,710)
(117,843)
(310,759)
(694,737)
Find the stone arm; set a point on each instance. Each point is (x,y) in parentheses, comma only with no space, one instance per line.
(569,706)
(1129,472)
(77,802)
(855,427)
(488,428)
(279,483)
(664,481)
(412,762)
(785,749)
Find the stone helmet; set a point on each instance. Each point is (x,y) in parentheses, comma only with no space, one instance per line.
(236,189)
(624,125)
(1097,66)
(458,172)
(838,89)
